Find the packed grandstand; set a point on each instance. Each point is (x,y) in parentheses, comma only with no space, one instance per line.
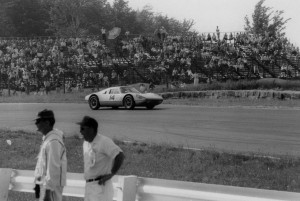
(34,64)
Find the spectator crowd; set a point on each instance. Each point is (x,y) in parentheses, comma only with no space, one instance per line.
(46,63)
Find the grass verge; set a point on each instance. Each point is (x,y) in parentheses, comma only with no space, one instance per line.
(165,162)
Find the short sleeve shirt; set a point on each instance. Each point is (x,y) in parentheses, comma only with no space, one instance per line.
(99,156)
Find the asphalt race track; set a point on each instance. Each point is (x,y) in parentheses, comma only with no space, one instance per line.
(263,130)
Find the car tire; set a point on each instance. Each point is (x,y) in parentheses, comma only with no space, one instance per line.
(94,102)
(128,102)
(150,107)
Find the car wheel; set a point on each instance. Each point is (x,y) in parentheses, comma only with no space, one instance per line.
(129,102)
(94,102)
(150,107)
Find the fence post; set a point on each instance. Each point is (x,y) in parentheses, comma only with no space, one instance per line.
(5,175)
(64,79)
(0,80)
(8,86)
(129,188)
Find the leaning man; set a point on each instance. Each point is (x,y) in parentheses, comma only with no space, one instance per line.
(102,160)
(51,168)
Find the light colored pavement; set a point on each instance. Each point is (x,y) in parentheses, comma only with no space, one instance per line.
(263,130)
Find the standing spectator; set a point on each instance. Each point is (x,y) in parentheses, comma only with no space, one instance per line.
(163,33)
(100,78)
(175,74)
(47,86)
(127,34)
(196,78)
(142,88)
(218,33)
(102,160)
(151,86)
(105,81)
(125,77)
(114,77)
(157,33)
(22,87)
(103,32)
(51,168)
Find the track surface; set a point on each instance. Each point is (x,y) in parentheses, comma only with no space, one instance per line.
(262,130)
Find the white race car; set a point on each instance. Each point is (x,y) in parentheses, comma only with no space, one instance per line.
(129,97)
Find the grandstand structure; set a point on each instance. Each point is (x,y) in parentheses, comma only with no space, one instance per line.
(70,62)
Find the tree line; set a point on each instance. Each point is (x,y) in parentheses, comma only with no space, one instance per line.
(69,18)
(77,18)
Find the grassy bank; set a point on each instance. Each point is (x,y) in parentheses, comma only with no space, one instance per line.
(78,97)
(166,162)
(261,84)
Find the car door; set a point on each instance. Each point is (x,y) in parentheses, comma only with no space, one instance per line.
(111,97)
(118,97)
(105,98)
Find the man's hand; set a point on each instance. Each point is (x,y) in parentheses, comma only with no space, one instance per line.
(37,191)
(104,178)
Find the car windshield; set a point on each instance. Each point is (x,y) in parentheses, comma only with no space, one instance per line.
(128,90)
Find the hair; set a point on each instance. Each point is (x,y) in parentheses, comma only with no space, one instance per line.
(90,122)
(94,125)
(51,121)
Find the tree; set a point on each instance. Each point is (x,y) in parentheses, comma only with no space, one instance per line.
(67,17)
(264,20)
(145,17)
(123,16)
(26,17)
(6,24)
(97,14)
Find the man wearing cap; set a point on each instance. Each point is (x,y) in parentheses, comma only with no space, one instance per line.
(102,159)
(51,168)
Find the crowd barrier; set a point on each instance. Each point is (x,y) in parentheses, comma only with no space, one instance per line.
(132,188)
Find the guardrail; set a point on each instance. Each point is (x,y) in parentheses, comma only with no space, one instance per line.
(132,188)
(23,181)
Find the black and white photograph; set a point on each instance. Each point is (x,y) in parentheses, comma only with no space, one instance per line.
(149,100)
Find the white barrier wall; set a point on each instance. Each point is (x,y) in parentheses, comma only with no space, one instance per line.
(168,190)
(5,175)
(132,188)
(23,181)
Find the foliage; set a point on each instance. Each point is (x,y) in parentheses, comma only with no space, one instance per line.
(266,21)
(27,17)
(5,21)
(69,18)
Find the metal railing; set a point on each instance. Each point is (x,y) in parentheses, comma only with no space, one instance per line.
(132,188)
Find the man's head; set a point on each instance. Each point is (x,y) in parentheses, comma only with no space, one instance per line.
(88,128)
(45,121)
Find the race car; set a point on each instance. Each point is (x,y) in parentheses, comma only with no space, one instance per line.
(120,96)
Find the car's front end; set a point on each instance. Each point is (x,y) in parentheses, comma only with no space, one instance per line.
(148,99)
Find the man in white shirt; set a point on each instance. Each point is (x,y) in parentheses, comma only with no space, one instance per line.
(51,168)
(102,159)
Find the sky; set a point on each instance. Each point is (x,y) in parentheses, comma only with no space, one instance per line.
(227,14)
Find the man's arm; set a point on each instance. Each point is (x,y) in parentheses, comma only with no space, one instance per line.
(118,161)
(53,176)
